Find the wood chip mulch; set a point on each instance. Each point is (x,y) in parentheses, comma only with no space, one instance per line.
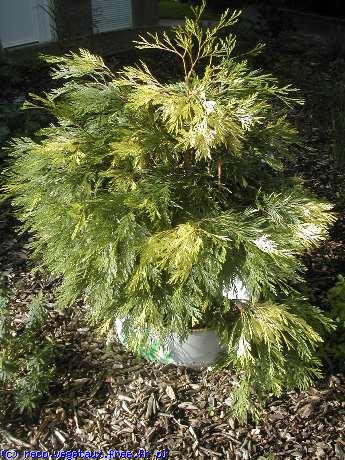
(104,398)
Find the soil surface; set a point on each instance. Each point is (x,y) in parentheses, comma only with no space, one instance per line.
(104,398)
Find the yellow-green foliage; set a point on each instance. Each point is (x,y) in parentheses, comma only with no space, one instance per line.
(149,198)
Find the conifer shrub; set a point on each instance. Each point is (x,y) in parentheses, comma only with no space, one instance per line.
(151,198)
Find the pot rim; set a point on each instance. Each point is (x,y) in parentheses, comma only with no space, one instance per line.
(199,330)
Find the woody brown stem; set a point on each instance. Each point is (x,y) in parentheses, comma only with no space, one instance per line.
(219,171)
(188,158)
(208,166)
(239,306)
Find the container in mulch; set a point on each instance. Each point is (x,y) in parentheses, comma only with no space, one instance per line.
(201,348)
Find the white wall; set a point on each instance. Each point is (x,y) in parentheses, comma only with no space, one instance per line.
(25,21)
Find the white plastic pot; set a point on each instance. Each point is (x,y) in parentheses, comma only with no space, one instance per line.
(201,348)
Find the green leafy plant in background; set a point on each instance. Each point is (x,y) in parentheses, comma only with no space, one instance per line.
(151,199)
(334,348)
(26,358)
(336,297)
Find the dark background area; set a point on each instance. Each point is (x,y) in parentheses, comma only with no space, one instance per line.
(335,8)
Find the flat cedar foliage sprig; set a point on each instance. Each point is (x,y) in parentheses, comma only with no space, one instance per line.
(150,198)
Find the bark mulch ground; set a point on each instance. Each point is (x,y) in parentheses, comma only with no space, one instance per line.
(104,398)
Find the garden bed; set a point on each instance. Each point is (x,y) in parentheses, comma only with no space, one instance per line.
(171,9)
(104,398)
